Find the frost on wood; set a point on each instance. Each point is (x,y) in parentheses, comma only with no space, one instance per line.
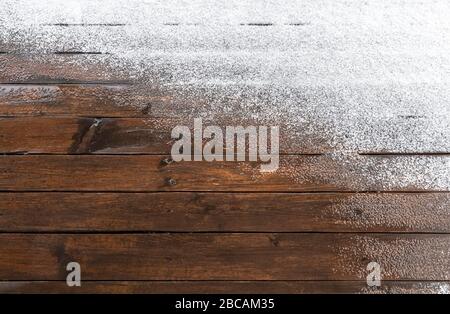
(343,77)
(406,258)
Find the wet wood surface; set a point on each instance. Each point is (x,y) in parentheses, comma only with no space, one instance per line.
(224,212)
(211,286)
(144,173)
(231,256)
(152,135)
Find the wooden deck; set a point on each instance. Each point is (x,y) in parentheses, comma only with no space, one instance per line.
(89,94)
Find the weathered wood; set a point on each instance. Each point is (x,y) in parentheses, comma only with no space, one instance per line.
(112,135)
(77,100)
(247,11)
(174,70)
(86,135)
(225,287)
(225,257)
(160,38)
(59,69)
(152,135)
(158,173)
(225,212)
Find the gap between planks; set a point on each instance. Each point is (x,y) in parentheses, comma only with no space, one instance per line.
(69,82)
(231,232)
(222,286)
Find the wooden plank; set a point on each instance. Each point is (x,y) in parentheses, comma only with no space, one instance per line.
(205,25)
(86,135)
(387,119)
(187,69)
(408,117)
(158,173)
(225,212)
(159,38)
(150,135)
(52,135)
(403,100)
(226,287)
(137,12)
(82,100)
(59,69)
(206,256)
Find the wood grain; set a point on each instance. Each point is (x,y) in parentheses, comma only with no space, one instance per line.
(225,212)
(232,37)
(89,100)
(158,173)
(138,12)
(152,135)
(225,287)
(58,69)
(224,257)
(52,135)
(86,135)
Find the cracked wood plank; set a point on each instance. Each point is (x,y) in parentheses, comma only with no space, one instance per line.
(152,135)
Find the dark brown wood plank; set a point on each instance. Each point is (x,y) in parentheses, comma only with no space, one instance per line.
(158,173)
(86,135)
(226,287)
(151,135)
(161,37)
(225,212)
(388,119)
(286,256)
(56,69)
(60,135)
(76,99)
(280,13)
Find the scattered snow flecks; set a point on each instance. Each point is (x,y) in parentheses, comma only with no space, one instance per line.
(353,172)
(415,288)
(342,76)
(406,258)
(404,212)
